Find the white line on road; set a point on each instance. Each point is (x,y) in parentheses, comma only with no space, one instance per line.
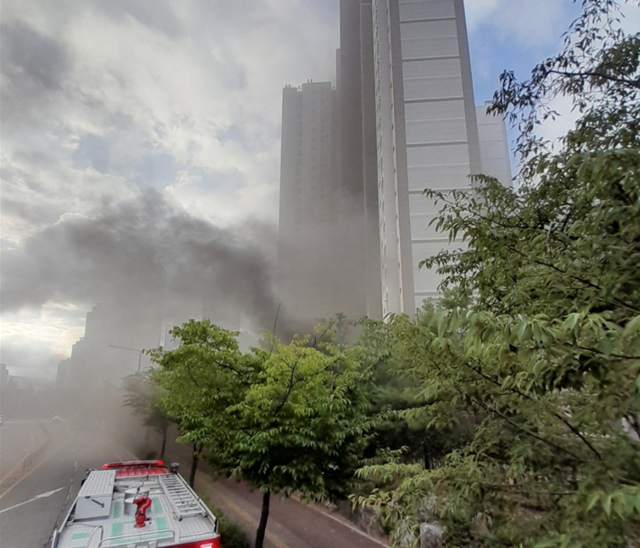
(43,495)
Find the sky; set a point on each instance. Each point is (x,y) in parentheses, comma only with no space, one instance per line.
(137,131)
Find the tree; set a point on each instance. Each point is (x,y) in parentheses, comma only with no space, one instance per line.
(301,424)
(145,397)
(539,337)
(394,395)
(200,379)
(290,418)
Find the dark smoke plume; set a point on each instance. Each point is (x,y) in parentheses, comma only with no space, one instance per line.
(146,250)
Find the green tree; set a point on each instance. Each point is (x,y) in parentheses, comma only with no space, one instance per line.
(288,419)
(200,379)
(144,396)
(301,424)
(394,395)
(538,340)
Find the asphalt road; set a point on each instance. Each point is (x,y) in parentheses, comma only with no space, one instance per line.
(17,440)
(37,493)
(291,524)
(34,497)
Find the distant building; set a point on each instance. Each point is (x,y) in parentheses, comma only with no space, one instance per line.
(308,179)
(494,148)
(114,338)
(404,119)
(32,384)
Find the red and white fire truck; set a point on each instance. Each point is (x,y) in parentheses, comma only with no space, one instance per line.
(137,504)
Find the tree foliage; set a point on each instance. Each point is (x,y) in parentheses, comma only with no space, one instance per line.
(393,398)
(284,419)
(144,396)
(537,343)
(302,421)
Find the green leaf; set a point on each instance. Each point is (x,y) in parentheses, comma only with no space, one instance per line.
(593,499)
(632,328)
(606,504)
(636,501)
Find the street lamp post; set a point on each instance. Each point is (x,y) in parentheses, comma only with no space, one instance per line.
(139,352)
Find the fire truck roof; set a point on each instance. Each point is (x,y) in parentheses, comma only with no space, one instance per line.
(137,503)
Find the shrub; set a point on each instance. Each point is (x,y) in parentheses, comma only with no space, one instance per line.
(231,534)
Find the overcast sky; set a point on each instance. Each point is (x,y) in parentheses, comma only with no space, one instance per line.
(154,114)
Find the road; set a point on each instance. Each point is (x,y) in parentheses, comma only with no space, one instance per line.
(37,494)
(27,518)
(17,440)
(291,524)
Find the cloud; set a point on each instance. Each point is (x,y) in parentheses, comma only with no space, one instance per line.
(59,326)
(119,116)
(39,60)
(124,95)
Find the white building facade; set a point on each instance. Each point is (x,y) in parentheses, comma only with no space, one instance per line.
(428,137)
(494,149)
(401,119)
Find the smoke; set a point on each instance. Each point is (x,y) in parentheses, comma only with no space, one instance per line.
(145,251)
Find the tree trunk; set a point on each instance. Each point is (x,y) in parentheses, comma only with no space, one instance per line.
(264,516)
(146,439)
(165,427)
(194,464)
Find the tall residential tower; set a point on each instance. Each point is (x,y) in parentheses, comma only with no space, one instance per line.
(404,119)
(308,176)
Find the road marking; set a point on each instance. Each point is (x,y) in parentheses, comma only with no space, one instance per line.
(21,463)
(42,496)
(16,467)
(5,493)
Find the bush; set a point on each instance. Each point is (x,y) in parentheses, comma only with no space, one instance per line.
(231,534)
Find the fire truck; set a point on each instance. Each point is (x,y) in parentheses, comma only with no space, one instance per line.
(137,504)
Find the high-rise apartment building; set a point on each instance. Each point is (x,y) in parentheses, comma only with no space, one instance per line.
(308,176)
(428,135)
(494,149)
(406,120)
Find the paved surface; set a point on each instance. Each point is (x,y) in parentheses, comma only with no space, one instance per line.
(36,496)
(18,439)
(291,524)
(33,494)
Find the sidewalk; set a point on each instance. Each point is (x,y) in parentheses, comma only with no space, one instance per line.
(292,524)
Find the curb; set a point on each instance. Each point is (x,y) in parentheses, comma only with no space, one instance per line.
(341,520)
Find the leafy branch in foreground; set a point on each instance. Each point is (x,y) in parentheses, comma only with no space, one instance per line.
(537,341)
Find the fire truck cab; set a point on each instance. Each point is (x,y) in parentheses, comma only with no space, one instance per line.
(137,504)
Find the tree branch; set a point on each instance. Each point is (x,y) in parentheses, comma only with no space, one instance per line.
(557,415)
(618,356)
(289,390)
(624,81)
(524,430)
(577,278)
(192,377)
